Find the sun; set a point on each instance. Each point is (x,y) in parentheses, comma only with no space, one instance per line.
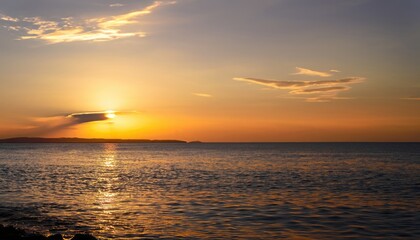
(110,114)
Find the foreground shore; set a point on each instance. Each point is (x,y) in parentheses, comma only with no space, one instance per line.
(13,233)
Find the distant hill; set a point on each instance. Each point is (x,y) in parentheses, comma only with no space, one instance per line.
(83,140)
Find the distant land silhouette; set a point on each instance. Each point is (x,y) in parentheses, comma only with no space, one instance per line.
(84,140)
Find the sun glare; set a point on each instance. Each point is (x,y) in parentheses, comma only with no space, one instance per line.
(110,114)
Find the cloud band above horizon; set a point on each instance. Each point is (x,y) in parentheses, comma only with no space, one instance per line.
(326,90)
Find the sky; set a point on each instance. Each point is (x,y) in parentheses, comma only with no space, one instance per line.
(211,70)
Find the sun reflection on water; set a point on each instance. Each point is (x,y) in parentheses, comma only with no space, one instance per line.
(109,155)
(106,198)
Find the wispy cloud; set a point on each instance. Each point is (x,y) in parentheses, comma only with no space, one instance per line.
(324,98)
(300,84)
(72,30)
(203,95)
(8,19)
(412,98)
(116,5)
(321,91)
(309,72)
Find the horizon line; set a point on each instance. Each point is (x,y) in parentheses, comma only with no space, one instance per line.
(144,140)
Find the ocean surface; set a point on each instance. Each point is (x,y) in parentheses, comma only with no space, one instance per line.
(213,191)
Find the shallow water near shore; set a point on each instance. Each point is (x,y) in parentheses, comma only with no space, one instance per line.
(213,191)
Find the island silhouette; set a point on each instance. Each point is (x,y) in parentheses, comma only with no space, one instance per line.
(84,140)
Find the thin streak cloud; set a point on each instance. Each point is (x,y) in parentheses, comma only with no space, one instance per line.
(206,95)
(324,98)
(72,30)
(320,90)
(309,72)
(116,5)
(412,98)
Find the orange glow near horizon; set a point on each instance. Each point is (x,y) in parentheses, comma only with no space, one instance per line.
(216,129)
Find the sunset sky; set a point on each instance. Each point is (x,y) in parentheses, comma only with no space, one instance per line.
(211,70)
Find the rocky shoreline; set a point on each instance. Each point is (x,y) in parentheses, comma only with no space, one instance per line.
(13,233)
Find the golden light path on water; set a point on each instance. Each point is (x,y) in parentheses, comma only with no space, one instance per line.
(127,214)
(115,212)
(106,196)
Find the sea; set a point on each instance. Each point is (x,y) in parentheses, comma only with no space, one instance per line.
(213,190)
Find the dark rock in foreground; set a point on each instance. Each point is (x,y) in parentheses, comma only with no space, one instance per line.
(34,237)
(55,237)
(83,237)
(12,233)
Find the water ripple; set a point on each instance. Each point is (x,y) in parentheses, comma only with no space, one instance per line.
(213,191)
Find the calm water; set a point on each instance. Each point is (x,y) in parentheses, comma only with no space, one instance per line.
(213,191)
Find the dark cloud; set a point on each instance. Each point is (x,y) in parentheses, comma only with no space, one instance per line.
(88,117)
(45,125)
